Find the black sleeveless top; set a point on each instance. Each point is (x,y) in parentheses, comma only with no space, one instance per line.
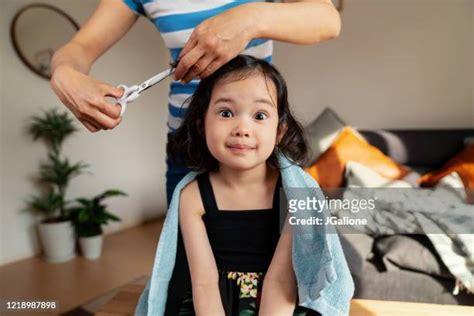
(241,240)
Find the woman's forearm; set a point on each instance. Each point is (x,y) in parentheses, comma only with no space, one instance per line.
(109,22)
(207,300)
(304,22)
(72,55)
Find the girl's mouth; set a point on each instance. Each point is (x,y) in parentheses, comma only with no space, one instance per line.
(240,147)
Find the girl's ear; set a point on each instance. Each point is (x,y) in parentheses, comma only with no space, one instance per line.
(282,129)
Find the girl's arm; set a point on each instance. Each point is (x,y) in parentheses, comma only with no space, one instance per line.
(279,285)
(202,265)
(222,37)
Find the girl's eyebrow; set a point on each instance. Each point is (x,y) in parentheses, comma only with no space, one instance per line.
(261,100)
(265,101)
(225,100)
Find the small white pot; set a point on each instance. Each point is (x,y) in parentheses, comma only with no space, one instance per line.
(91,247)
(58,240)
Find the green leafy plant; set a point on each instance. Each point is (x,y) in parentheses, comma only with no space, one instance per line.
(91,214)
(48,204)
(53,128)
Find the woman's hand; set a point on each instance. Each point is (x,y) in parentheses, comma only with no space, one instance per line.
(85,98)
(214,42)
(222,37)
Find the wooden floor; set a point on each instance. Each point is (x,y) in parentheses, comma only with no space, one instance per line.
(125,301)
(127,256)
(124,267)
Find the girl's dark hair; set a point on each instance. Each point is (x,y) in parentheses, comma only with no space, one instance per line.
(188,144)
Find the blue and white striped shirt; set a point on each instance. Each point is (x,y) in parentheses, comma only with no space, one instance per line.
(176,20)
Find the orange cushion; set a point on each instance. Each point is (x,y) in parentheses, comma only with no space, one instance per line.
(462,163)
(328,170)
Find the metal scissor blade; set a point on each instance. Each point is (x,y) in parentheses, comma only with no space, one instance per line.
(154,80)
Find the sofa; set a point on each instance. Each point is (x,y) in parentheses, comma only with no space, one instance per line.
(376,272)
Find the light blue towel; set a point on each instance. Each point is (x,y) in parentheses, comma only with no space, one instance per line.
(323,277)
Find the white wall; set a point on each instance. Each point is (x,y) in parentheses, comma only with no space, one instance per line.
(131,157)
(3,28)
(396,64)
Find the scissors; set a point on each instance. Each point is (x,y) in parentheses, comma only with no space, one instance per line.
(133,92)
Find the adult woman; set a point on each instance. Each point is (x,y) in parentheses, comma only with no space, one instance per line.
(205,35)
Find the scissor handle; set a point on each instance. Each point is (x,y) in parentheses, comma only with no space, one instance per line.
(129,94)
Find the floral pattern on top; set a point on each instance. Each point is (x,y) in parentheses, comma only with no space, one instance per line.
(249,288)
(247,281)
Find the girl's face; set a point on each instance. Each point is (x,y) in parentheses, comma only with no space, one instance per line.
(241,122)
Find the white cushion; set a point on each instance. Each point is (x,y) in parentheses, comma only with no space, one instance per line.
(469,141)
(360,176)
(322,132)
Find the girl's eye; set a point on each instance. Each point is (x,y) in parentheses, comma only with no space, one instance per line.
(225,113)
(260,116)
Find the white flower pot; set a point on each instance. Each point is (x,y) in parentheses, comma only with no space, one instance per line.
(91,247)
(58,240)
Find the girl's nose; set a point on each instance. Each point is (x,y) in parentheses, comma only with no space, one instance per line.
(241,133)
(241,130)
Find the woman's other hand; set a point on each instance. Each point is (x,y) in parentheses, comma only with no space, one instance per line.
(214,42)
(224,36)
(85,97)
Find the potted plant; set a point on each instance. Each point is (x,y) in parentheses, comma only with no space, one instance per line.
(55,230)
(88,218)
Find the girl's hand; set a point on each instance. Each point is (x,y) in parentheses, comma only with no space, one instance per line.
(279,285)
(214,42)
(85,96)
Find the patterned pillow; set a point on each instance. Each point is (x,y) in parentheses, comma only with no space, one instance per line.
(462,164)
(359,176)
(328,170)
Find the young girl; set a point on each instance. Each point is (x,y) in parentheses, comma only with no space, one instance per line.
(239,263)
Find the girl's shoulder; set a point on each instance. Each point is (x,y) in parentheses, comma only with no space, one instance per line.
(190,199)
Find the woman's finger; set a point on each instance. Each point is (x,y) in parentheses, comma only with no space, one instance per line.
(213,66)
(200,66)
(91,127)
(190,44)
(187,61)
(111,110)
(101,120)
(110,91)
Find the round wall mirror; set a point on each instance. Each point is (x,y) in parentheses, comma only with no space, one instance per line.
(37,31)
